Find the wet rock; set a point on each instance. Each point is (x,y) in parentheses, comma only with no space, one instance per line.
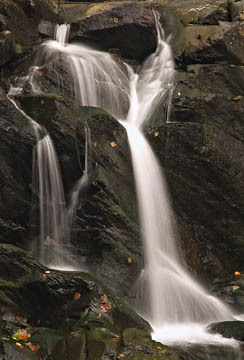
(139,345)
(7,46)
(118,26)
(106,220)
(69,314)
(228,329)
(15,172)
(205,178)
(21,26)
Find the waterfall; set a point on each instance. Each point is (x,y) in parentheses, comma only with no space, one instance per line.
(100,79)
(171,295)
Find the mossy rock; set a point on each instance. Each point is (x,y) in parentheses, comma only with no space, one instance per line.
(138,345)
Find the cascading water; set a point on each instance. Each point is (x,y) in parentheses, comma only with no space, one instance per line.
(175,302)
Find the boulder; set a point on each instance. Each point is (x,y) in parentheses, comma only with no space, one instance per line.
(120,26)
(228,329)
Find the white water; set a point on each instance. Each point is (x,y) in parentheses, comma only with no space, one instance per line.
(178,308)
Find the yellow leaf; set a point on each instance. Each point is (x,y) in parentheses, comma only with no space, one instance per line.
(19,345)
(76,296)
(156,133)
(42,102)
(179,93)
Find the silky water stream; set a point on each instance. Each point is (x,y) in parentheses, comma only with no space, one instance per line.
(176,306)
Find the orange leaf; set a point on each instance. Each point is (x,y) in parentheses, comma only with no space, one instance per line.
(129,260)
(76,296)
(86,310)
(156,133)
(237,273)
(19,345)
(23,334)
(113,144)
(159,348)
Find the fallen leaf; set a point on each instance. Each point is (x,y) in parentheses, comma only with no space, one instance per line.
(19,345)
(156,133)
(129,260)
(32,347)
(113,144)
(179,93)
(42,102)
(39,73)
(237,273)
(23,334)
(235,287)
(47,272)
(44,276)
(159,348)
(99,315)
(237,98)
(86,310)
(94,143)
(76,296)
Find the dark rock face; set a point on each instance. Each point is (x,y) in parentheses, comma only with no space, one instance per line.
(203,143)
(119,26)
(228,329)
(106,216)
(68,315)
(15,172)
